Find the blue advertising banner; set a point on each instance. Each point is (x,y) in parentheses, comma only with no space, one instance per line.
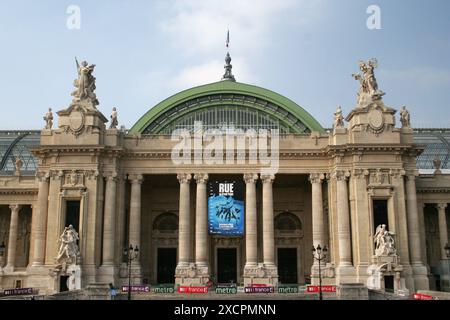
(226,207)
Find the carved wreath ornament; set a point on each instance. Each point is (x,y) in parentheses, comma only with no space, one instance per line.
(376,121)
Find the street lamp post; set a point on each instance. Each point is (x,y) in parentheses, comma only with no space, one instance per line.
(131,254)
(319,254)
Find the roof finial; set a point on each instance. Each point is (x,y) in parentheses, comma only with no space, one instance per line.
(228,75)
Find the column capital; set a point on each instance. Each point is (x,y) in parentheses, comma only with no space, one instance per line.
(184,177)
(250,177)
(267,178)
(201,177)
(15,207)
(43,176)
(441,206)
(136,178)
(360,173)
(397,173)
(411,174)
(316,177)
(340,175)
(111,176)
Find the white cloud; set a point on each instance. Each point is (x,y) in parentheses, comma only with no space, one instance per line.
(196,30)
(200,26)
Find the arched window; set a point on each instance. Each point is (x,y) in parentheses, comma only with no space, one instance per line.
(287,222)
(166,223)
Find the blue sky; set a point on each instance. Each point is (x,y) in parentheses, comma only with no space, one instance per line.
(146,51)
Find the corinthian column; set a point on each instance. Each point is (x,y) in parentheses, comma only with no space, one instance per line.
(12,240)
(420,271)
(183,228)
(317,210)
(201,221)
(413,221)
(109,223)
(250,220)
(343,215)
(442,229)
(40,221)
(268,234)
(135,213)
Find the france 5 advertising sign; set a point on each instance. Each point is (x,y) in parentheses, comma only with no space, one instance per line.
(226,207)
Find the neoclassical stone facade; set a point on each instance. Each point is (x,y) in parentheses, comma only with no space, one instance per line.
(121,187)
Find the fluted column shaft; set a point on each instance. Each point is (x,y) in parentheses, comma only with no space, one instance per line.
(318,229)
(413,221)
(40,222)
(343,216)
(443,236)
(12,240)
(251,244)
(135,213)
(268,228)
(201,221)
(109,223)
(184,216)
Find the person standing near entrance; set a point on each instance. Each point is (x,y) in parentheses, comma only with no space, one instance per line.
(112,292)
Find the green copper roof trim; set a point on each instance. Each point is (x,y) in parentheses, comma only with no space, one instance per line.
(226,86)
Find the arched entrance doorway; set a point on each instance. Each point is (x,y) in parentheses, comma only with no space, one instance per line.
(288,237)
(165,238)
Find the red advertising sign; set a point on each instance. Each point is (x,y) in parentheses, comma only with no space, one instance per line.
(259,289)
(313,289)
(259,285)
(198,289)
(421,296)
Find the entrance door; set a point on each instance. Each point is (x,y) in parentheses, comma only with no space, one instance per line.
(63,283)
(167,262)
(287,265)
(226,265)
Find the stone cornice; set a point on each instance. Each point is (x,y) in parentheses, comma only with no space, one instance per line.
(358,148)
(433,190)
(46,150)
(165,154)
(19,191)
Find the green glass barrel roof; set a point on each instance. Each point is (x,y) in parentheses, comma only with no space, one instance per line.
(14,144)
(232,94)
(437,145)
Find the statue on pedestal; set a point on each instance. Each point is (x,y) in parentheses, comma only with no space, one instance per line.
(384,242)
(405,118)
(85,83)
(68,248)
(48,119)
(338,118)
(368,90)
(114,122)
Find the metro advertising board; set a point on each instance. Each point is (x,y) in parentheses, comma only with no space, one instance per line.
(226,207)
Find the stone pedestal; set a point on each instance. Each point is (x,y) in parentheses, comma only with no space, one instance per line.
(261,274)
(191,275)
(327,273)
(352,291)
(109,273)
(386,266)
(74,281)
